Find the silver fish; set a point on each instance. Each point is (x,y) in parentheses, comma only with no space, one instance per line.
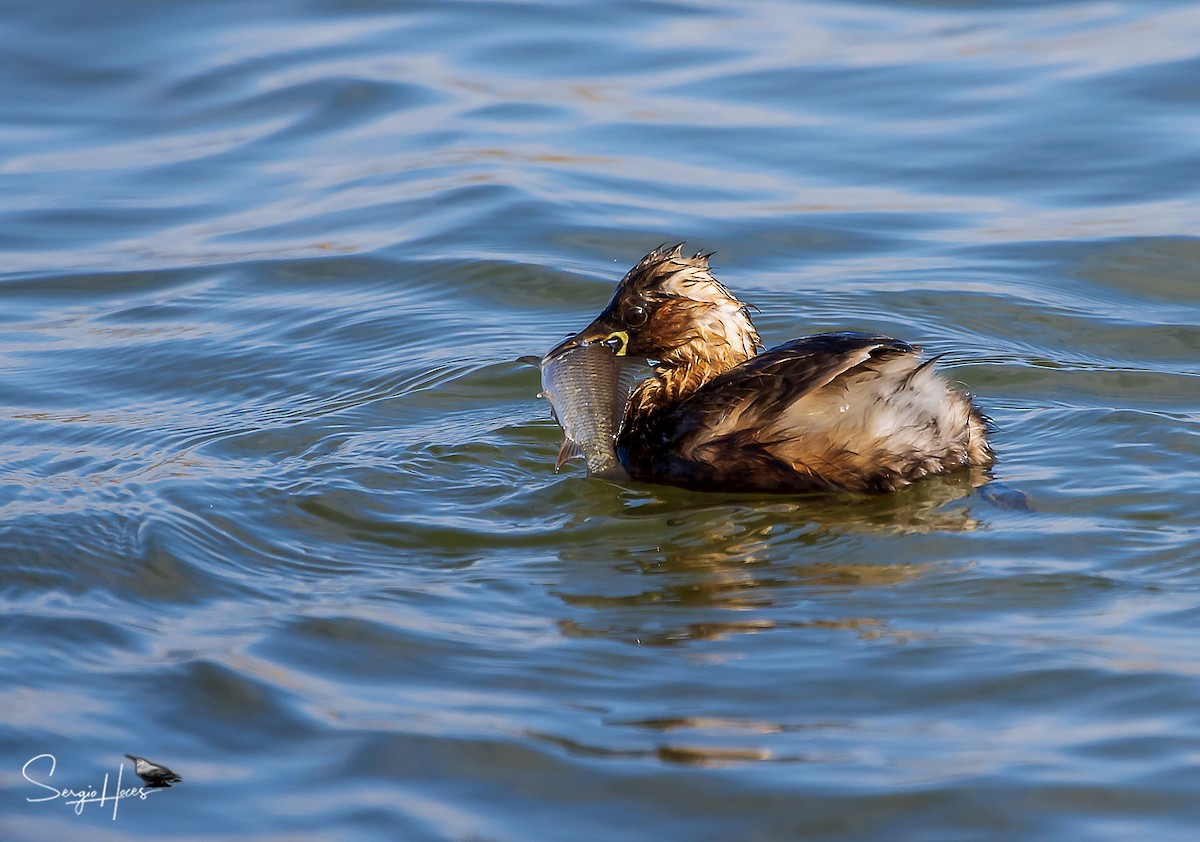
(588,387)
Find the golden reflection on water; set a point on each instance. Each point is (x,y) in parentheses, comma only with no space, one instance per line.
(682,741)
(704,569)
(744,558)
(704,757)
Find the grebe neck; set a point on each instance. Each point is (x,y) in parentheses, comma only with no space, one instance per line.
(674,380)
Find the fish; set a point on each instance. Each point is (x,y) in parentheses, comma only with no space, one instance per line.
(588,385)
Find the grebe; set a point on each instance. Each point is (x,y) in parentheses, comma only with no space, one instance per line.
(849,411)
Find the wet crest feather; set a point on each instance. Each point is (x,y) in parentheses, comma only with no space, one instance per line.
(700,328)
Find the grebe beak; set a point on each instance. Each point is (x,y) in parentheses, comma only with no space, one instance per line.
(599,331)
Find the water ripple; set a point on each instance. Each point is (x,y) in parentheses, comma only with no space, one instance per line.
(278,505)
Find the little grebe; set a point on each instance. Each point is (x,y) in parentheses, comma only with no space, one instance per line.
(853,411)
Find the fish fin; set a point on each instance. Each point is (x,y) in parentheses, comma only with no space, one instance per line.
(630,372)
(611,470)
(530,359)
(569,450)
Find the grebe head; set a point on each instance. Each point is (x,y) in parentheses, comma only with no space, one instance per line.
(671,309)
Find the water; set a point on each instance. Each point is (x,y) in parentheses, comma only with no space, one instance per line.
(277,506)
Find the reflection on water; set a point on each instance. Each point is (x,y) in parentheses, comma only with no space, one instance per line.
(728,561)
(710,757)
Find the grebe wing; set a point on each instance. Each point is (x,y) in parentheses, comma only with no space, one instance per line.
(767,387)
(808,414)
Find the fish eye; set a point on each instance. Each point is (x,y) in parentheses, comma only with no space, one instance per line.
(636,316)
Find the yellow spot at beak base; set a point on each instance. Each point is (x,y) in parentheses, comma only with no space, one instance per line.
(624,337)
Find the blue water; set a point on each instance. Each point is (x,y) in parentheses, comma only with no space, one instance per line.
(277,503)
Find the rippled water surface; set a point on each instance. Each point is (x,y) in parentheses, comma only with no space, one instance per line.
(277,503)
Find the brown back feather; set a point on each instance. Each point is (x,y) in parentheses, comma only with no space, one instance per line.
(846,410)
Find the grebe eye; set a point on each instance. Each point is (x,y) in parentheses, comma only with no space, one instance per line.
(636,316)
